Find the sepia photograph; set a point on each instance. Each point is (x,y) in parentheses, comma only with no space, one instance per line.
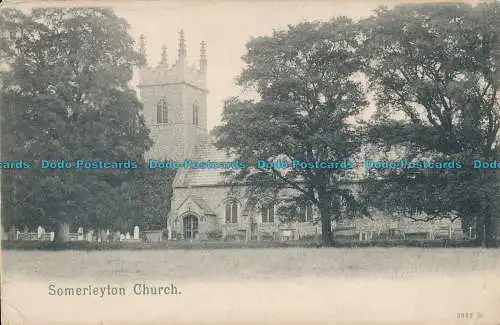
(250,162)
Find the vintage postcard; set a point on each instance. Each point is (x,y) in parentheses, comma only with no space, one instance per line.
(250,162)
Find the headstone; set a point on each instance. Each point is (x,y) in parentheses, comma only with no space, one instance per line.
(107,232)
(127,236)
(136,233)
(52,235)
(90,235)
(80,233)
(103,236)
(40,232)
(169,233)
(122,237)
(116,237)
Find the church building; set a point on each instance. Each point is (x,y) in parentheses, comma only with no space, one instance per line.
(203,205)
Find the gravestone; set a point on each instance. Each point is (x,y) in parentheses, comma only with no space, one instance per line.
(102,236)
(127,236)
(116,236)
(169,233)
(136,233)
(90,235)
(80,233)
(52,235)
(40,231)
(122,237)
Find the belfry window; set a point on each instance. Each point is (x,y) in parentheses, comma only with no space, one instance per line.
(196,113)
(267,212)
(162,111)
(231,212)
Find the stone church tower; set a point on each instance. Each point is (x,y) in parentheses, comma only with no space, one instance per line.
(175,103)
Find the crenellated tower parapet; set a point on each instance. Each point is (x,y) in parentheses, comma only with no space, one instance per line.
(180,71)
(175,102)
(173,74)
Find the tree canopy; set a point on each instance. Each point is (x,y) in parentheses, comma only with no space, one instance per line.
(305,78)
(434,71)
(66,96)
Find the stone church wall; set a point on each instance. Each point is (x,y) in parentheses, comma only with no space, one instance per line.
(249,223)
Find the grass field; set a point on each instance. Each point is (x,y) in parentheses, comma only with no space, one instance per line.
(220,244)
(254,263)
(258,286)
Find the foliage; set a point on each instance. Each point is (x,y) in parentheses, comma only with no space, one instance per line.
(434,71)
(215,234)
(305,78)
(66,95)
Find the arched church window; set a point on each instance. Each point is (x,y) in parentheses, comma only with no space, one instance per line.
(196,112)
(305,213)
(267,212)
(162,111)
(231,212)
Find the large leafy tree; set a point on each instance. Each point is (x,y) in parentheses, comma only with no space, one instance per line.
(66,95)
(434,72)
(305,81)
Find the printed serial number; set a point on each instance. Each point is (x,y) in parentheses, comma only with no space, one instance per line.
(469,315)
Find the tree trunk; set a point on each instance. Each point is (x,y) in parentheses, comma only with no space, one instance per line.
(62,235)
(479,241)
(326,227)
(489,231)
(495,231)
(486,231)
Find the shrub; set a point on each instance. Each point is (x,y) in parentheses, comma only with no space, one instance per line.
(214,234)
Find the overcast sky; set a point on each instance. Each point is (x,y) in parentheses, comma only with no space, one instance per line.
(226,26)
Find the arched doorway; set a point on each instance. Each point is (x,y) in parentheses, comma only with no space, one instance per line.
(190,226)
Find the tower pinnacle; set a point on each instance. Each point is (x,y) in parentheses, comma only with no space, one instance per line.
(182,48)
(164,61)
(203,57)
(142,49)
